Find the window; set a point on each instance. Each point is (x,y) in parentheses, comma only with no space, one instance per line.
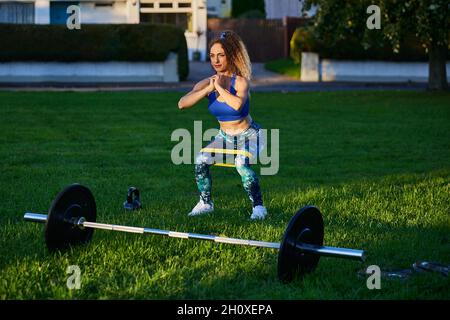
(58,11)
(181,20)
(16,12)
(103,4)
(166,5)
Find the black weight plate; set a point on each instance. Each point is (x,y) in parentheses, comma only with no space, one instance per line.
(305,226)
(73,202)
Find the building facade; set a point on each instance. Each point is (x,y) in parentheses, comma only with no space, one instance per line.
(190,15)
(278,9)
(219,8)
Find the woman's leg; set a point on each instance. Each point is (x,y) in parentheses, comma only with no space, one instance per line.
(251,142)
(250,181)
(202,163)
(203,177)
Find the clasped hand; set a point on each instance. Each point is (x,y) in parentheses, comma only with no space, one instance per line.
(214,83)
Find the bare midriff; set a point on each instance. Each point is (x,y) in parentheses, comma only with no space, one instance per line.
(237,126)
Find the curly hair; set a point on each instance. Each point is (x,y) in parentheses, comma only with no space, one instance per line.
(236,53)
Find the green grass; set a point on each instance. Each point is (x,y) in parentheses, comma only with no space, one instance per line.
(377,164)
(286,67)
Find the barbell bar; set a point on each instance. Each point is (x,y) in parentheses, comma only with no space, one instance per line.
(71,220)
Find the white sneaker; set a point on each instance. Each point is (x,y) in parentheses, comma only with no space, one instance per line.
(201,207)
(259,212)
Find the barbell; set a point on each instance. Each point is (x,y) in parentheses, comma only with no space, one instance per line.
(71,220)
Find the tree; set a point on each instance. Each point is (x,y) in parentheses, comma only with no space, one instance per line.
(248,8)
(427,20)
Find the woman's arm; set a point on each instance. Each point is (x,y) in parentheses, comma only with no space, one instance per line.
(234,101)
(200,90)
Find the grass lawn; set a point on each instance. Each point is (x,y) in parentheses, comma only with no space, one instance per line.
(377,164)
(286,67)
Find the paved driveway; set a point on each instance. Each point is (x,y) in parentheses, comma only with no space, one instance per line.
(263,80)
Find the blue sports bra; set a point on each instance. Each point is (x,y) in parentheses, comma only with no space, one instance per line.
(222,111)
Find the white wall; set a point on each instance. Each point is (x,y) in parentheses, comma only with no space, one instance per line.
(117,13)
(200,23)
(133,11)
(375,71)
(42,12)
(17,72)
(313,69)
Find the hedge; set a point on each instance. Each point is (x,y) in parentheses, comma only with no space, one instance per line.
(248,8)
(304,40)
(95,42)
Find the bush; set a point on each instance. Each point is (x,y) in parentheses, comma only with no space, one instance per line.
(304,40)
(253,14)
(113,42)
(240,7)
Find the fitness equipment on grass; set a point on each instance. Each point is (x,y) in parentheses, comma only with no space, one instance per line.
(133,201)
(71,220)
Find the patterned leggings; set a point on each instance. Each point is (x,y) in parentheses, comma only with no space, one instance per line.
(247,145)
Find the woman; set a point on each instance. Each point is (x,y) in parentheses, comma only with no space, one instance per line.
(228,100)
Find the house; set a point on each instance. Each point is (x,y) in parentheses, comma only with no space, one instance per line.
(219,8)
(190,15)
(278,9)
